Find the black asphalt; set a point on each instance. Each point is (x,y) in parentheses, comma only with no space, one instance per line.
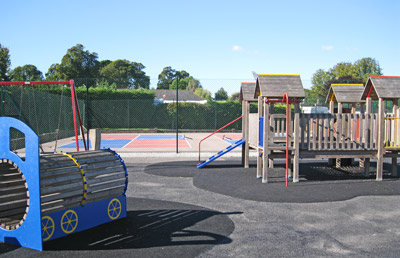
(152,229)
(318,181)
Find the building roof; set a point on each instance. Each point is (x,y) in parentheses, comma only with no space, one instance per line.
(274,86)
(247,91)
(345,93)
(387,87)
(183,95)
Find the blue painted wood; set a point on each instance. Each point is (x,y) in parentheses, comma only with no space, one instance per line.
(29,234)
(221,153)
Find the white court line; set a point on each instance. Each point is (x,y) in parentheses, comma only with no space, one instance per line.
(130,141)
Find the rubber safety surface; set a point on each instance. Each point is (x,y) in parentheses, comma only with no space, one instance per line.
(318,182)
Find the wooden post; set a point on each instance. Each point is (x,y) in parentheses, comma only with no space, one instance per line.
(331,162)
(368,110)
(296,144)
(246,133)
(259,154)
(244,136)
(95,139)
(338,140)
(396,130)
(272,123)
(381,139)
(265,142)
(289,131)
(361,135)
(353,135)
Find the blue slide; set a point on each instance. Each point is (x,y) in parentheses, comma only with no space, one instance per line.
(219,154)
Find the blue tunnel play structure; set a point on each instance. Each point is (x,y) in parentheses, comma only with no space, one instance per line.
(44,197)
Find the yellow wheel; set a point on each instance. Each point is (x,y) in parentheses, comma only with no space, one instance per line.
(47,228)
(114,209)
(69,221)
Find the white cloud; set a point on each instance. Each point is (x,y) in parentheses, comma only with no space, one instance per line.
(327,48)
(237,48)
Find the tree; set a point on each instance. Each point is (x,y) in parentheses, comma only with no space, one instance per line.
(221,94)
(193,83)
(188,83)
(202,93)
(126,74)
(26,73)
(367,66)
(167,79)
(343,72)
(320,77)
(343,69)
(5,63)
(234,96)
(76,63)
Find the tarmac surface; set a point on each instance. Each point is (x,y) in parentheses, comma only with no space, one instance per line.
(177,210)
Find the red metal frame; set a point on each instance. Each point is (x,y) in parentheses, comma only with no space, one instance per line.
(74,98)
(240,117)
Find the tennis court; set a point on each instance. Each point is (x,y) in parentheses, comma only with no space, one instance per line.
(134,141)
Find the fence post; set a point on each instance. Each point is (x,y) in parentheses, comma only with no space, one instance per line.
(129,117)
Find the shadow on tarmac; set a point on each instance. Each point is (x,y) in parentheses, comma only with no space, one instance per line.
(152,228)
(144,229)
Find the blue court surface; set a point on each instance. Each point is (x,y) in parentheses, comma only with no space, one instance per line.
(116,144)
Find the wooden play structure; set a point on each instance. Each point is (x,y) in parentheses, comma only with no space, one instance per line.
(249,120)
(337,135)
(340,95)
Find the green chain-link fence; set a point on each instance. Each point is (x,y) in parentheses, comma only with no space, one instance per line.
(48,110)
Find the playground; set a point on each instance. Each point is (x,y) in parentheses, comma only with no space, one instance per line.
(83,205)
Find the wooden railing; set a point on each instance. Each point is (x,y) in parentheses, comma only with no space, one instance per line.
(392,130)
(338,131)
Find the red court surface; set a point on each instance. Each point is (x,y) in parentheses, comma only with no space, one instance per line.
(119,136)
(144,141)
(157,144)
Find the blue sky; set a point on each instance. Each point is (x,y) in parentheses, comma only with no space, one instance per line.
(212,40)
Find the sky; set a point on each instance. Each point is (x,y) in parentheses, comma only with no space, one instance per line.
(218,42)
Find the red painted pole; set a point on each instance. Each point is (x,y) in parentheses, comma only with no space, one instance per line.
(79,115)
(74,114)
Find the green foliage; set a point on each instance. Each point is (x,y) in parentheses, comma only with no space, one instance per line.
(76,63)
(212,115)
(367,66)
(101,93)
(234,96)
(125,74)
(167,79)
(221,94)
(203,93)
(343,72)
(26,73)
(5,63)
(188,83)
